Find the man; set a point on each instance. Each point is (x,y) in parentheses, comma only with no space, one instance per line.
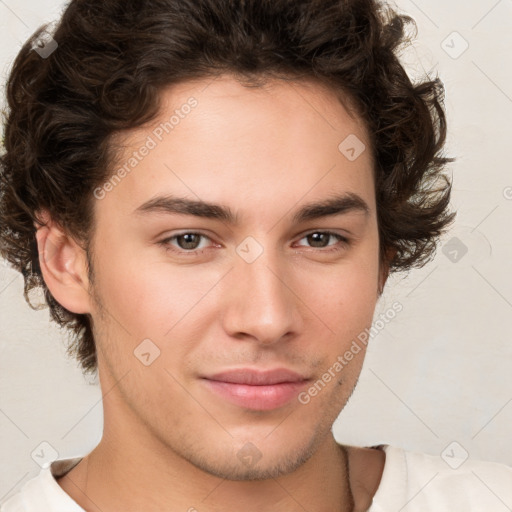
(218,191)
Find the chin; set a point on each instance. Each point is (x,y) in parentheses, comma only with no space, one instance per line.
(257,460)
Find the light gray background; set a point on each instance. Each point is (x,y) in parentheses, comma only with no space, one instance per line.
(439,372)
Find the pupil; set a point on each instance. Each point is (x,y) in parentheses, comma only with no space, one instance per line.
(316,237)
(189,241)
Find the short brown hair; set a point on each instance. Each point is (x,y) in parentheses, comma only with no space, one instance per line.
(115,56)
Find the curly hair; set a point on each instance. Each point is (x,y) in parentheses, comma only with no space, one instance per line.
(115,56)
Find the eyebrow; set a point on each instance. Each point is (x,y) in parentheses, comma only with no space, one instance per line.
(335,205)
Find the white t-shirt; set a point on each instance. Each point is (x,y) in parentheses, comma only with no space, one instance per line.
(411,482)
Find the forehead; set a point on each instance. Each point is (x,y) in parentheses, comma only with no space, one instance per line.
(219,140)
(228,99)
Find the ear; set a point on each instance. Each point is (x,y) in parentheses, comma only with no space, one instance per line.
(384,269)
(63,265)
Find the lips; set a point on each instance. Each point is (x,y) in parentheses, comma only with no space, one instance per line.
(255,389)
(253,377)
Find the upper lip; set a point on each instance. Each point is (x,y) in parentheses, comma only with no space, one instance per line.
(250,376)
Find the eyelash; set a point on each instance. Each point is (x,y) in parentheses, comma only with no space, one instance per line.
(344,242)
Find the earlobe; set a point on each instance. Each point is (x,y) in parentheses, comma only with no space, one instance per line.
(63,265)
(384,269)
(383,277)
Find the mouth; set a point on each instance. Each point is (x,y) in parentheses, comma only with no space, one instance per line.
(255,389)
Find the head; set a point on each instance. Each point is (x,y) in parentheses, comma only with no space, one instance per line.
(202,186)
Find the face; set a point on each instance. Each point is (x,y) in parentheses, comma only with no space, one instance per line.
(213,323)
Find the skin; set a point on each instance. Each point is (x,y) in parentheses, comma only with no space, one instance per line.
(168,439)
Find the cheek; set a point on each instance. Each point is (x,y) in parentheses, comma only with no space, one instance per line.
(344,299)
(152,299)
(130,292)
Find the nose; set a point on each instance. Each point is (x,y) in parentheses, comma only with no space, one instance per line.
(260,303)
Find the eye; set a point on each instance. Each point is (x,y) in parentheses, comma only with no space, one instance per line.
(320,239)
(188,242)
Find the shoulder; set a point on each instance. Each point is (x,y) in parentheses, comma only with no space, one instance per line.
(42,492)
(413,481)
(30,492)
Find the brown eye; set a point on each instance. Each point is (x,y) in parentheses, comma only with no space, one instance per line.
(183,243)
(188,240)
(321,239)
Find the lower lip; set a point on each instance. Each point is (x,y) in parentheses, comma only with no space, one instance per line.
(258,398)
